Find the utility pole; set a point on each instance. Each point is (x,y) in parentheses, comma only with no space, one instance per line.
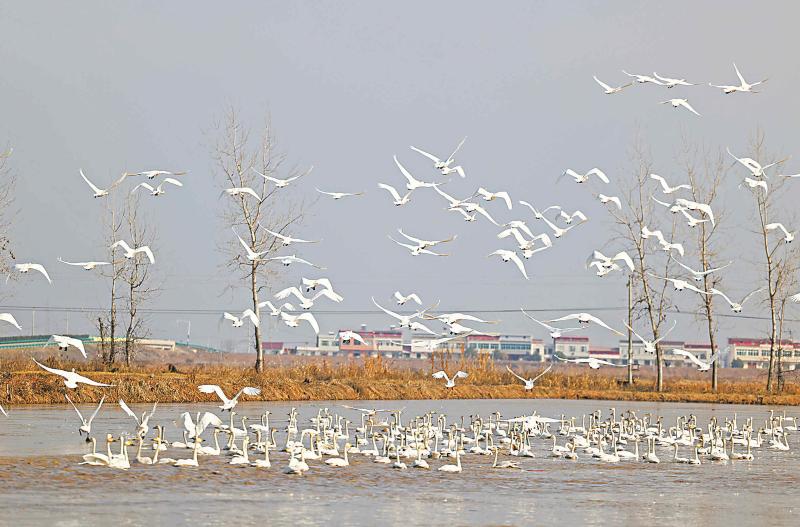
(630,325)
(188,329)
(33,322)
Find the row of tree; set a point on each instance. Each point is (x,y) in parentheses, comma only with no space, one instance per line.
(776,262)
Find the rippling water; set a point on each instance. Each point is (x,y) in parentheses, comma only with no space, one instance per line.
(42,482)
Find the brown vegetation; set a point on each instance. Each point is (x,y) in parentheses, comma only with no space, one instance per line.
(370,379)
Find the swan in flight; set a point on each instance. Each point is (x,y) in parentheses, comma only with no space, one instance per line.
(349,336)
(86,424)
(529,383)
(152,174)
(665,188)
(238,322)
(288,240)
(606,264)
(25,267)
(454,204)
(491,196)
(591,362)
(294,320)
(554,331)
(537,214)
(402,299)
(650,345)
(282,183)
(312,284)
(416,250)
(756,169)
(444,166)
(693,205)
(65,342)
(789,236)
(195,430)
(567,217)
(691,221)
(677,103)
(130,252)
(736,307)
(404,321)
(755,183)
(698,275)
(340,195)
(449,383)
(641,79)
(242,191)
(86,265)
(71,379)
(671,83)
(433,344)
(507,256)
(701,365)
(8,317)
(251,254)
(610,199)
(424,244)
(744,86)
(583,178)
(473,208)
(290,259)
(99,192)
(585,318)
(276,311)
(452,318)
(681,285)
(228,404)
(558,232)
(157,191)
(398,199)
(412,183)
(308,303)
(141,422)
(608,89)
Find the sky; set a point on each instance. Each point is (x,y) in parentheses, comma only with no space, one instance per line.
(129,86)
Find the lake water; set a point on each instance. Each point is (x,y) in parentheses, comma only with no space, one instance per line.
(43,484)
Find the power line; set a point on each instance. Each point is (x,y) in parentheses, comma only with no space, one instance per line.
(344,312)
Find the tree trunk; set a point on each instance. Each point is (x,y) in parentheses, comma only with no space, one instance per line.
(630,333)
(257,328)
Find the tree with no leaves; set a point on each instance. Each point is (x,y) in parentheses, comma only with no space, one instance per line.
(706,177)
(6,203)
(779,263)
(650,294)
(136,275)
(240,163)
(107,323)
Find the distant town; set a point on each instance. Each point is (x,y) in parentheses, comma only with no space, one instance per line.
(392,343)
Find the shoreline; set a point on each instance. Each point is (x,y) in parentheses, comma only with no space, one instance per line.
(34,388)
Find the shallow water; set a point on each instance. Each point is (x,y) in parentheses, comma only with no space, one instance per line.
(42,482)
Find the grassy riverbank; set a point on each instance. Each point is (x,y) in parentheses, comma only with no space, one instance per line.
(370,379)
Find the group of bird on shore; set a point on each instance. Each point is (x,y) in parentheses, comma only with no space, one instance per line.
(431,441)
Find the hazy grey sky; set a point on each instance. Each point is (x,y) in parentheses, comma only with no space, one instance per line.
(120,86)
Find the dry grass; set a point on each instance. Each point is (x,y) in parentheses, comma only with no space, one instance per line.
(370,378)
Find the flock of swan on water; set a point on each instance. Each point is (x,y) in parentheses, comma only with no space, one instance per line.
(430,441)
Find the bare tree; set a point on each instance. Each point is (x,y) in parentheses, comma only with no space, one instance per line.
(7,182)
(136,276)
(239,162)
(650,294)
(706,182)
(778,260)
(107,324)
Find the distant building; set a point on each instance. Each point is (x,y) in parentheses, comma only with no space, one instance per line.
(610,354)
(571,347)
(754,353)
(385,343)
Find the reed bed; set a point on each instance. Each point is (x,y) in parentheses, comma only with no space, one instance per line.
(368,379)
